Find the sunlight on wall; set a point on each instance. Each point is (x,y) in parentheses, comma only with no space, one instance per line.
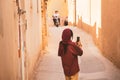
(71,11)
(90,11)
(83,10)
(96,14)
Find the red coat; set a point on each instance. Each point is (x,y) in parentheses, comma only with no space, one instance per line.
(70,56)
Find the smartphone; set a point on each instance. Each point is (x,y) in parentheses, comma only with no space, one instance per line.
(78,39)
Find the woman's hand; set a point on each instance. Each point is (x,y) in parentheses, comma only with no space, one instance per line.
(79,44)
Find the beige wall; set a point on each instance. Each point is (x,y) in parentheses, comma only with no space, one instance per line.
(71,11)
(90,11)
(104,28)
(33,33)
(9,61)
(111,30)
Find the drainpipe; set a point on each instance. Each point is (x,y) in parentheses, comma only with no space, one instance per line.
(44,28)
(19,32)
(20,51)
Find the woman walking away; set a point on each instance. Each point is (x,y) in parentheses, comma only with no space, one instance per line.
(66,21)
(69,52)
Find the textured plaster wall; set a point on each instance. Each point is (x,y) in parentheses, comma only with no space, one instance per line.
(108,27)
(9,38)
(9,61)
(33,33)
(111,30)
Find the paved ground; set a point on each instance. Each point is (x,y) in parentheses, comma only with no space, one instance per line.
(93,65)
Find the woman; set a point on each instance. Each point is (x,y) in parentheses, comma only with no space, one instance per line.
(66,21)
(68,51)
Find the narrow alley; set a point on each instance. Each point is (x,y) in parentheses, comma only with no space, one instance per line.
(93,65)
(30,31)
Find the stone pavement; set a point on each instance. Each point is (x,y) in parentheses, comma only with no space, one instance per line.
(93,65)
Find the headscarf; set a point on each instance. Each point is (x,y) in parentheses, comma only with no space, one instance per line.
(66,39)
(66,35)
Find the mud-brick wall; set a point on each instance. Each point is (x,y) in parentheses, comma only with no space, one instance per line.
(108,39)
(111,30)
(33,35)
(9,59)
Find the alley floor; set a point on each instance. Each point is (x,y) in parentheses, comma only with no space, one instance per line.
(92,64)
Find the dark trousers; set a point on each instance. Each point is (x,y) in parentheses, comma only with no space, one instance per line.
(65,23)
(55,20)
